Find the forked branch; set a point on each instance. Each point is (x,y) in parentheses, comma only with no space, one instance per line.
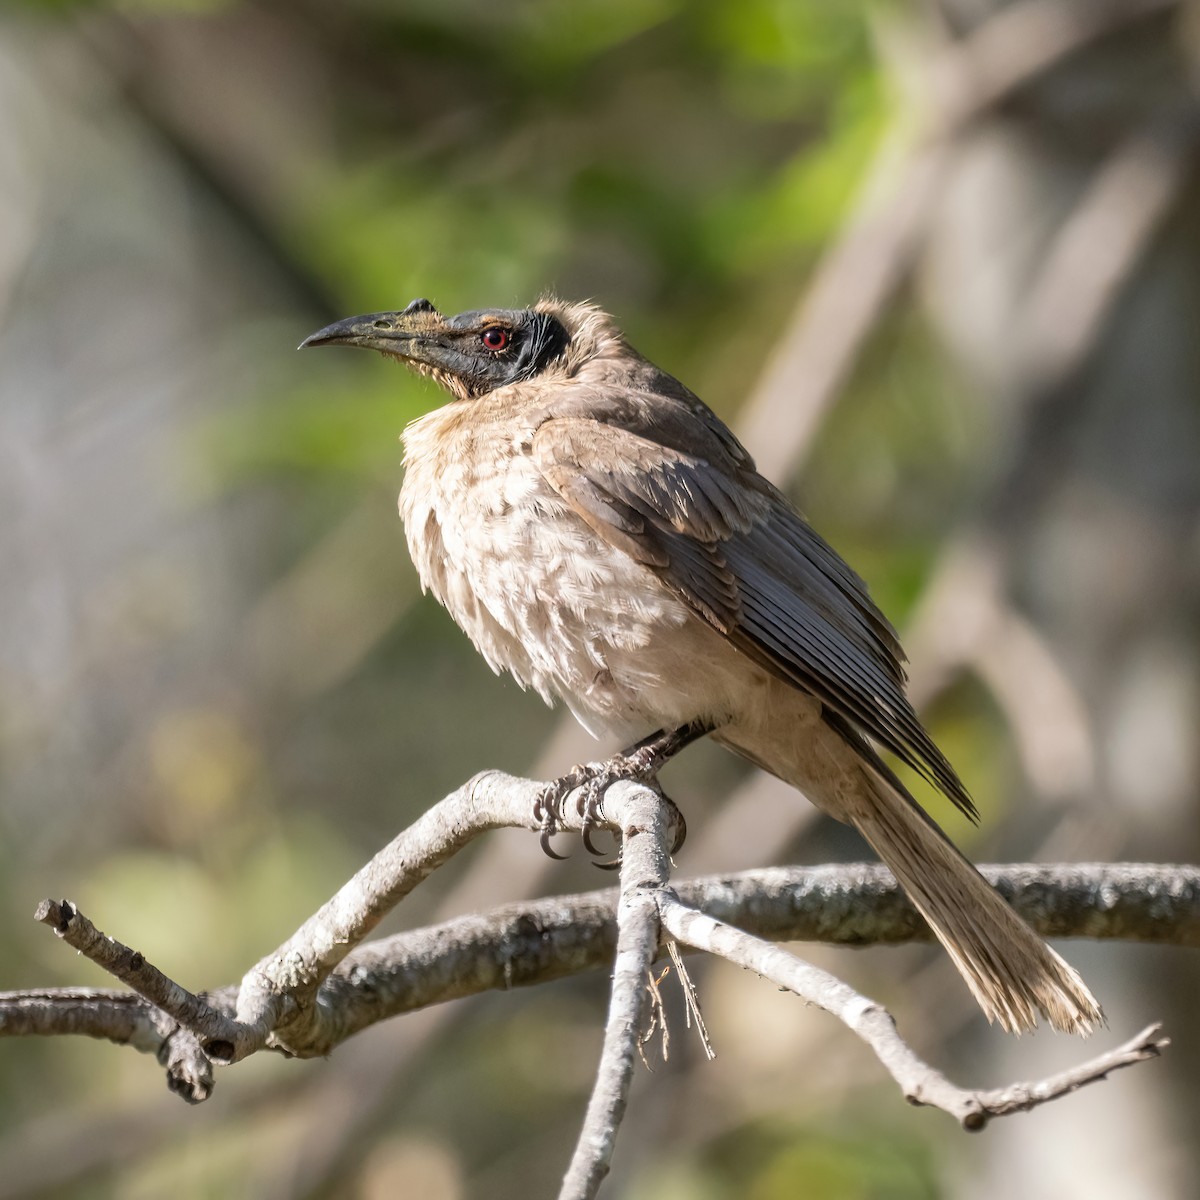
(322,984)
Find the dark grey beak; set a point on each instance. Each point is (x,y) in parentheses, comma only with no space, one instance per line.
(375,331)
(387,331)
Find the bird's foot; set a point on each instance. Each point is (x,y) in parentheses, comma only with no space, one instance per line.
(591,780)
(589,810)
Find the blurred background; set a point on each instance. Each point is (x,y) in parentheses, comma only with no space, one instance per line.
(938,261)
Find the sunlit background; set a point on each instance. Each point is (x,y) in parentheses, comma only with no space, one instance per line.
(938,262)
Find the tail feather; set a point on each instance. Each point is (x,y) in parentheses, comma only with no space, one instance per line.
(1012,973)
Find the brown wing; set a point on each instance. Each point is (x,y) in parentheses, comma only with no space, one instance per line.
(732,548)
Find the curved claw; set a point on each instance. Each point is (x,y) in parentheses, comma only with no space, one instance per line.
(592,780)
(548,831)
(678,820)
(681,830)
(588,844)
(588,807)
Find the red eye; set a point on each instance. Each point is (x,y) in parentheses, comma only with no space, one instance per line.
(494,338)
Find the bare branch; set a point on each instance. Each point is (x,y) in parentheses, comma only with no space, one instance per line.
(533,942)
(920,1083)
(130,967)
(645,868)
(277,996)
(320,987)
(856,904)
(121,1017)
(274,1004)
(1021,1097)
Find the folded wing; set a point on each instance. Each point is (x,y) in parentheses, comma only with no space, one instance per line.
(729,545)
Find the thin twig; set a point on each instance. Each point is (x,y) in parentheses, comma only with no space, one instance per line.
(131,967)
(657,1022)
(645,869)
(920,1083)
(691,1000)
(1021,1097)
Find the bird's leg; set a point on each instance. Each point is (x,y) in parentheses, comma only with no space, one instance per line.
(641,761)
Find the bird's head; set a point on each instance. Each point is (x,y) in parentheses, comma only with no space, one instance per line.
(476,352)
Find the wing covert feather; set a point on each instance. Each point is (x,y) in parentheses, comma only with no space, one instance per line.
(728,544)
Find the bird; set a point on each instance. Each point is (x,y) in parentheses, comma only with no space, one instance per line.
(602,536)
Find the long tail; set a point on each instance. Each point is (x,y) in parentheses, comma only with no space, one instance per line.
(1011,972)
